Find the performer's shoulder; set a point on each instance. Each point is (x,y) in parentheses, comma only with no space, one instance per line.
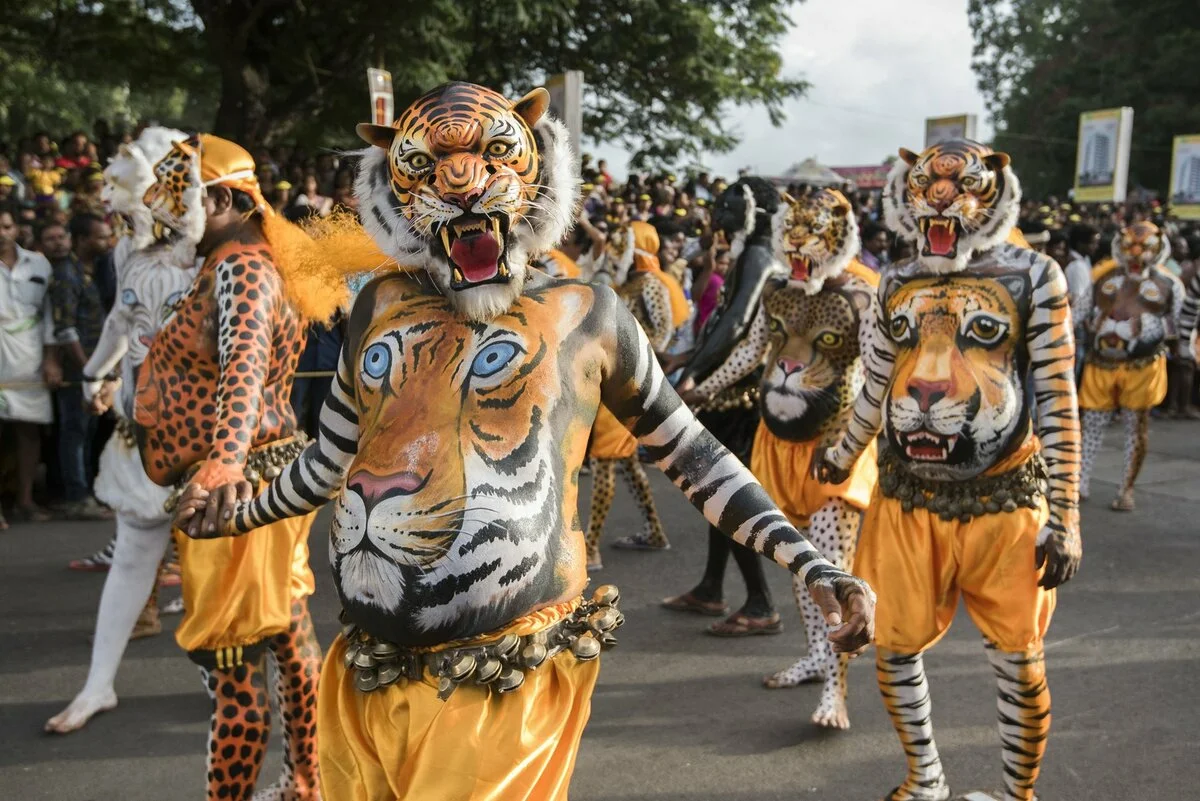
(857,272)
(1103,268)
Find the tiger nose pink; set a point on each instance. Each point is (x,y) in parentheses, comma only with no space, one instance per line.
(372,487)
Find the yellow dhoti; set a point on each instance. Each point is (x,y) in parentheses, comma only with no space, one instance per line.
(238,591)
(918,564)
(402,742)
(1104,388)
(784,468)
(610,439)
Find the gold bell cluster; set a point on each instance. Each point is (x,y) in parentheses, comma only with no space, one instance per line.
(735,397)
(1024,486)
(263,464)
(500,664)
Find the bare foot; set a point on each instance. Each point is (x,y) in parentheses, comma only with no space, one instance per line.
(803,671)
(80,711)
(831,712)
(1123,502)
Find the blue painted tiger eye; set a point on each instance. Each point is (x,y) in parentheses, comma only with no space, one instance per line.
(377,360)
(493,359)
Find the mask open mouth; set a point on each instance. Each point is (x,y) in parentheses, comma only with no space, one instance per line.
(941,237)
(801,268)
(475,247)
(926,446)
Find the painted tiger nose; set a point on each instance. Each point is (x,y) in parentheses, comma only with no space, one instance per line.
(464,200)
(789,366)
(927,393)
(374,488)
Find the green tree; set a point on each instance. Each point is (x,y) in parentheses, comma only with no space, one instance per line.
(1040,63)
(661,75)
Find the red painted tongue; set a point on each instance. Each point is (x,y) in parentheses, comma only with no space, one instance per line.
(941,239)
(477,256)
(800,269)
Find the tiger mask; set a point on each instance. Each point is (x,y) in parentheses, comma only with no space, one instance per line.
(176,198)
(469,186)
(130,173)
(1140,247)
(816,236)
(954,199)
(956,398)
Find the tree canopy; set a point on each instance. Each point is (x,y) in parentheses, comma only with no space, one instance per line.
(661,76)
(1040,63)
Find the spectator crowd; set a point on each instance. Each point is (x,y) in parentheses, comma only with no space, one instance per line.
(56,266)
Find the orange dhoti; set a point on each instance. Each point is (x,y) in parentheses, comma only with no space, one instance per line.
(918,564)
(784,468)
(403,742)
(238,591)
(1105,388)
(610,439)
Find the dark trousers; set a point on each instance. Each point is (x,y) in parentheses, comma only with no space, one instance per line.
(76,433)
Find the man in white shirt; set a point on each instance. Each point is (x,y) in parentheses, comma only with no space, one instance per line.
(1082,240)
(27,358)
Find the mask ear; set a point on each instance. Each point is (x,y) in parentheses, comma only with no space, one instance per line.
(532,106)
(909,157)
(997,161)
(377,135)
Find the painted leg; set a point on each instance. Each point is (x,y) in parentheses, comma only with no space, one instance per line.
(834,530)
(129,583)
(652,536)
(906,695)
(239,729)
(1093,424)
(98,561)
(1137,434)
(1024,706)
(296,656)
(604,483)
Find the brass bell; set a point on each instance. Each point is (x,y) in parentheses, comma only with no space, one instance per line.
(1009,505)
(384,650)
(604,620)
(366,680)
(918,499)
(992,507)
(488,671)
(586,648)
(977,509)
(1002,495)
(906,504)
(606,595)
(533,655)
(253,476)
(272,472)
(351,653)
(388,674)
(445,687)
(462,667)
(363,659)
(608,640)
(508,645)
(509,680)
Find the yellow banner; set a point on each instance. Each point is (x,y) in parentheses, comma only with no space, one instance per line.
(1102,157)
(1184,196)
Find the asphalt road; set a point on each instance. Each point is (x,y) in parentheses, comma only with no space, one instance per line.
(678,715)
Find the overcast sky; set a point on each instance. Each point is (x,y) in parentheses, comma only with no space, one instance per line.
(878,68)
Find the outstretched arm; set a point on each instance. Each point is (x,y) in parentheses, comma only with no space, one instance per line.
(716,482)
(878,354)
(1051,346)
(656,299)
(742,360)
(312,478)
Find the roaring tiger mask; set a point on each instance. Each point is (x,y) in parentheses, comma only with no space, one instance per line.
(816,236)
(1140,247)
(956,397)
(953,199)
(470,186)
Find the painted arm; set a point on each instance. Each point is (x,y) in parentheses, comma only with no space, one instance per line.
(747,355)
(317,474)
(878,354)
(113,344)
(1189,310)
(1051,346)
(657,301)
(713,479)
(245,322)
(729,323)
